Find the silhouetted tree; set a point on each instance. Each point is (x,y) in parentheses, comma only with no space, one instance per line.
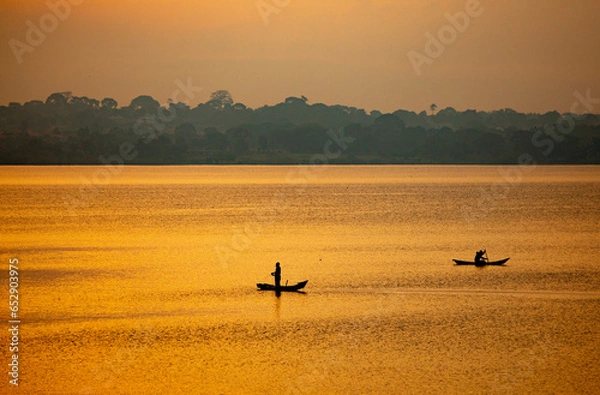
(59,99)
(84,102)
(296,100)
(144,104)
(220,100)
(67,129)
(34,105)
(389,122)
(109,103)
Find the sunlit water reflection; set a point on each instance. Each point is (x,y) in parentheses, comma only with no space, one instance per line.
(146,285)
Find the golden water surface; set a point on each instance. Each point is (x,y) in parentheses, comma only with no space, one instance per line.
(141,280)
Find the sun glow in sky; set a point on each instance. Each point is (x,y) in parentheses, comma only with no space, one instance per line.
(526,55)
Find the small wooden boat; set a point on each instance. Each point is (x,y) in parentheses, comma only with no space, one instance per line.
(283,288)
(492,263)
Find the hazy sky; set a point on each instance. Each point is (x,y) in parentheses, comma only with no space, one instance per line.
(526,55)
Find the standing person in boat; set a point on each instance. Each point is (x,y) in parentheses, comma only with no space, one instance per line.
(277,275)
(479,259)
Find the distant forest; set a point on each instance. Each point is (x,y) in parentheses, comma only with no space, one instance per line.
(66,129)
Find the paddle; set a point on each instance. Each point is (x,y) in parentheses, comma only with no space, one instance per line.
(486,256)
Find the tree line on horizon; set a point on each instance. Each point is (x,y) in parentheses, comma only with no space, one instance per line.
(66,129)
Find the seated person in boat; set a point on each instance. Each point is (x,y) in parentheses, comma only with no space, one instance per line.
(479,259)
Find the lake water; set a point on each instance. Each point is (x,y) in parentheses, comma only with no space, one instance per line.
(141,280)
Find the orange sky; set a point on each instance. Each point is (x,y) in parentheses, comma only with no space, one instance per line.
(530,55)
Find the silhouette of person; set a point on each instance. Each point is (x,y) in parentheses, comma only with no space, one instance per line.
(277,275)
(479,260)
